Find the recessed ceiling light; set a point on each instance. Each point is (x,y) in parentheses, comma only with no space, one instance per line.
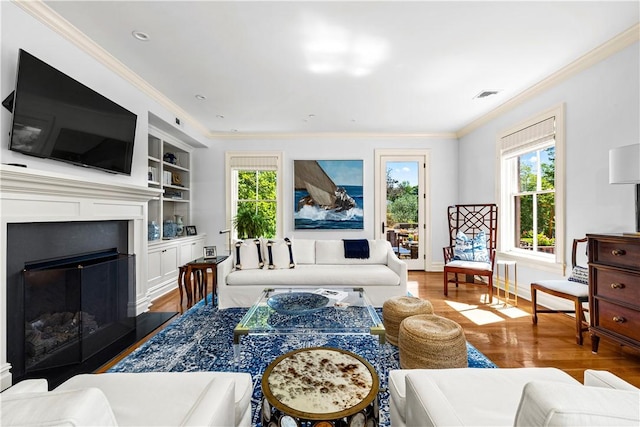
(142,36)
(200,97)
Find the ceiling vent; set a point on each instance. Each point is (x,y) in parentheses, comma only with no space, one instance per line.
(486,93)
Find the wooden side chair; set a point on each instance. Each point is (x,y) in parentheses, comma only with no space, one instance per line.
(473,231)
(575,288)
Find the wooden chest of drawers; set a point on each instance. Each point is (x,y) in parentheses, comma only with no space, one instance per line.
(614,289)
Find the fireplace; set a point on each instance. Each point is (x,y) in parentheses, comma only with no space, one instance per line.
(71,287)
(116,206)
(74,308)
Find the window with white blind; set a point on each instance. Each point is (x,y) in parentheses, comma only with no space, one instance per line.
(254,191)
(531,188)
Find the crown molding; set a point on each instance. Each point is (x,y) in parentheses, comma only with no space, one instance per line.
(616,44)
(53,20)
(333,135)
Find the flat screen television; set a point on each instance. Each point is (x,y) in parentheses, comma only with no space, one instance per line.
(57,117)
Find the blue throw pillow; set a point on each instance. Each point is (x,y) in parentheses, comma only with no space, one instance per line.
(474,249)
(580,274)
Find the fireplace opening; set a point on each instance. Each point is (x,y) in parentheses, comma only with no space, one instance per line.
(74,307)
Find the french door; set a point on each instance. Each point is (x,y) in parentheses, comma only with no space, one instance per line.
(401,204)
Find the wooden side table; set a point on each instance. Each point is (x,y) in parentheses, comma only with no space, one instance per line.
(198,269)
(320,386)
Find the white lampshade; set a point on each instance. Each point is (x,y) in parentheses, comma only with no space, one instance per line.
(624,165)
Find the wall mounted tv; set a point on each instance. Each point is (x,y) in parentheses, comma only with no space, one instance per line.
(57,117)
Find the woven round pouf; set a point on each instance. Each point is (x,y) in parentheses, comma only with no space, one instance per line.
(396,309)
(429,341)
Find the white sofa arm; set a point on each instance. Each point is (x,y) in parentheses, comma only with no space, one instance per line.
(27,386)
(548,403)
(398,266)
(223,270)
(606,379)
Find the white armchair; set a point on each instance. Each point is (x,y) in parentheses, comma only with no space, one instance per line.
(149,399)
(508,397)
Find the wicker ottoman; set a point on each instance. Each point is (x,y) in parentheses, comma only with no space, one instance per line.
(429,341)
(396,309)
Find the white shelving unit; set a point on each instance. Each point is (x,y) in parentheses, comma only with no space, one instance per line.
(169,170)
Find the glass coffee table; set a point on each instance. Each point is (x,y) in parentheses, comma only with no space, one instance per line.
(310,310)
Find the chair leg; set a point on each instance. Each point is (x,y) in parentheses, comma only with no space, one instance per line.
(534,305)
(579,320)
(490,284)
(446,284)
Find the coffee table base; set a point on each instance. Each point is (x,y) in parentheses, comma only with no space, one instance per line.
(272,417)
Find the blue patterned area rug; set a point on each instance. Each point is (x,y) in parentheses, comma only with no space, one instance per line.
(201,340)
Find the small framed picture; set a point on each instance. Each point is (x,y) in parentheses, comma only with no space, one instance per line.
(210,252)
(191,230)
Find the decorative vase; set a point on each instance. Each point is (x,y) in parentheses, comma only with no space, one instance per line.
(169,229)
(153,231)
(179,225)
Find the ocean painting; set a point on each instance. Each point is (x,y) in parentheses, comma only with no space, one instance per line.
(328,194)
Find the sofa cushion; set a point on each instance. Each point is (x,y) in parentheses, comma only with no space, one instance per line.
(280,254)
(317,275)
(249,255)
(304,251)
(332,252)
(548,403)
(80,407)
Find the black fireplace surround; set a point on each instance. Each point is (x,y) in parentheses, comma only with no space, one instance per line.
(70,297)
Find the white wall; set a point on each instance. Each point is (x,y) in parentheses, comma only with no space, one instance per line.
(210,215)
(602,111)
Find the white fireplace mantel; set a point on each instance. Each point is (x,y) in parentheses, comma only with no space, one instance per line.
(28,195)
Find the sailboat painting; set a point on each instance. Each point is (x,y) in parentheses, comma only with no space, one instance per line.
(328,194)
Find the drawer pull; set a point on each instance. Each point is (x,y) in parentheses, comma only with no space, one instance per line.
(617,285)
(618,252)
(619,319)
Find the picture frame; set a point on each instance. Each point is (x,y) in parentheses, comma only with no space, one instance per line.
(210,252)
(191,230)
(328,194)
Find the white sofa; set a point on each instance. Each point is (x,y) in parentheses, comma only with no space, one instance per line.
(127,399)
(510,397)
(317,264)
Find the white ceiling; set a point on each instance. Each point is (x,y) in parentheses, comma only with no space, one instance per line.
(336,66)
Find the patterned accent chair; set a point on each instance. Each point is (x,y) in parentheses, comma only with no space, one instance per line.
(476,226)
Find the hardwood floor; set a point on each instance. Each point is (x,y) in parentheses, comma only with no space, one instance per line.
(507,337)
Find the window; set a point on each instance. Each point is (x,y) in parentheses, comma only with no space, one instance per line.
(531,189)
(253,194)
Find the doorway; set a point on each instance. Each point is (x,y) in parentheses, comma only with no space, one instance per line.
(402,204)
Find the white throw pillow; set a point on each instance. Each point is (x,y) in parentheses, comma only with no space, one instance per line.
(249,254)
(280,254)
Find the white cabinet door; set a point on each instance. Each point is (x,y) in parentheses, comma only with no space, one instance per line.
(154,267)
(169,257)
(191,250)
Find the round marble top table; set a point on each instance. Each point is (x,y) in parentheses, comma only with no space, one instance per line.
(320,387)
